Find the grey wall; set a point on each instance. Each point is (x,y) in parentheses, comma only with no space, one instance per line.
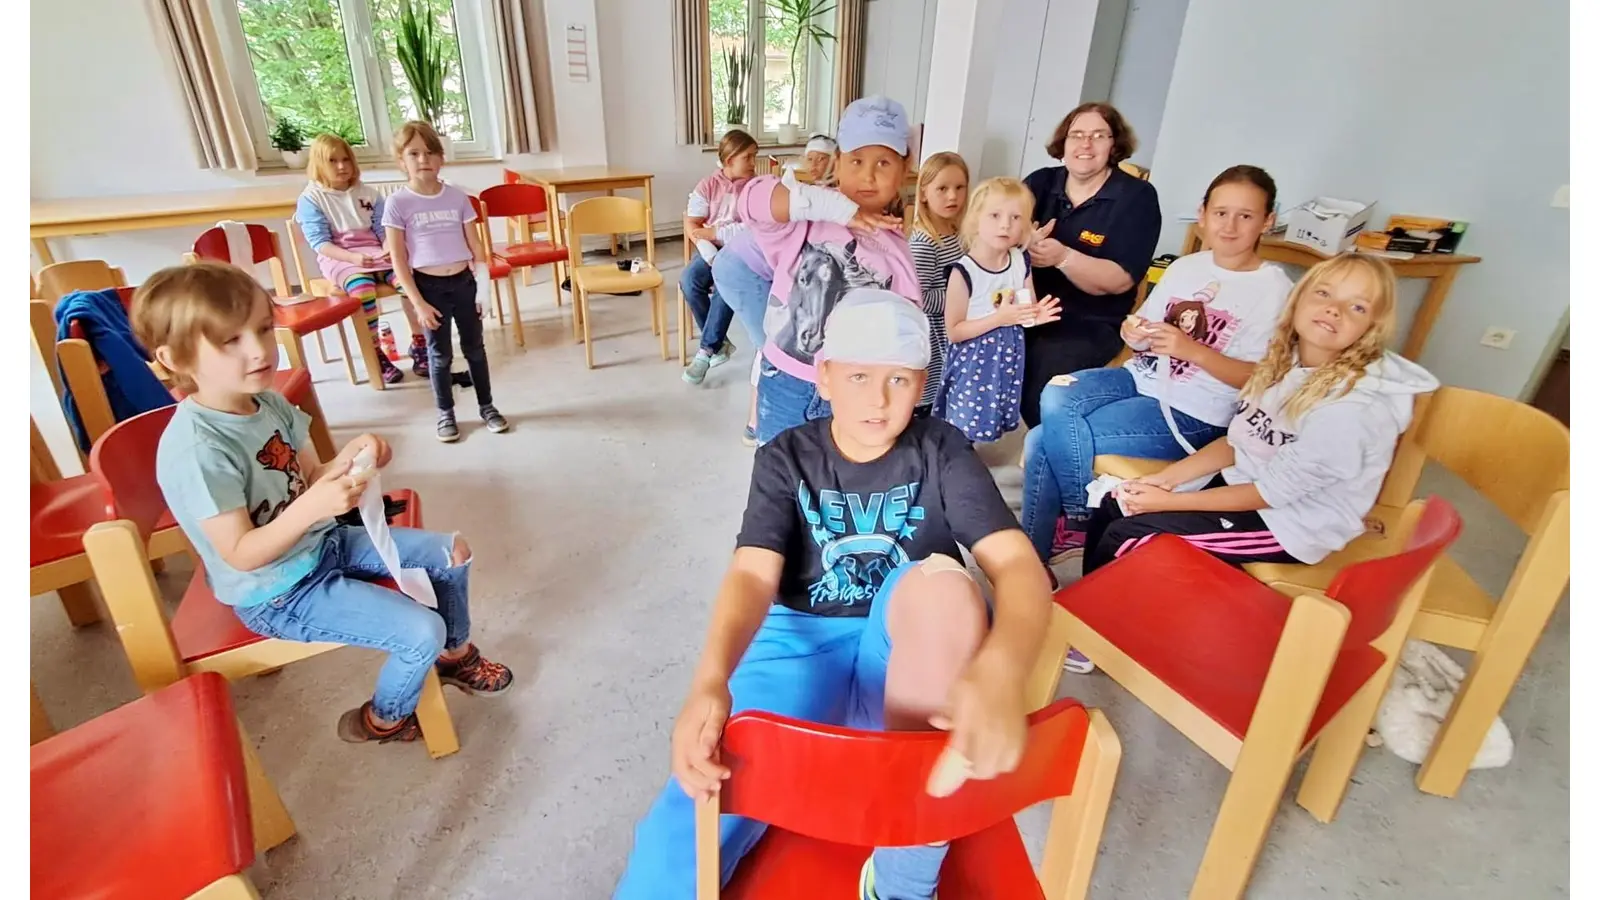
(1148,50)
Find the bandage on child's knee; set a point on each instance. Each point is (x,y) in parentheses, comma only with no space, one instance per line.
(940,562)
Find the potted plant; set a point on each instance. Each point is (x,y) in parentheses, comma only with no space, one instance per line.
(289,139)
(805,17)
(421,56)
(736,63)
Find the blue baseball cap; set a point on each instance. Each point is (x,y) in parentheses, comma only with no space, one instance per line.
(874,121)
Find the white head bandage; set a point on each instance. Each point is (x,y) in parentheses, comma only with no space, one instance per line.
(875,327)
(821,143)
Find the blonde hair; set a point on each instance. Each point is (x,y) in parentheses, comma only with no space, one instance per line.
(1338,376)
(179,305)
(417,129)
(993,190)
(931,167)
(319,168)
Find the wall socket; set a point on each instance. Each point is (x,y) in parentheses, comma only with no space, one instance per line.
(1497,337)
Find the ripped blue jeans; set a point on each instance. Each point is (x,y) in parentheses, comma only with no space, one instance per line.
(337,602)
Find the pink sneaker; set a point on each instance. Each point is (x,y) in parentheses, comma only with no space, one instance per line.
(1068,541)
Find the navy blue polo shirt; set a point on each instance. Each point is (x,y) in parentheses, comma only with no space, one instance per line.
(1121,222)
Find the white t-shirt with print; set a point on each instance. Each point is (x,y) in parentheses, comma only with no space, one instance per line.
(1233,313)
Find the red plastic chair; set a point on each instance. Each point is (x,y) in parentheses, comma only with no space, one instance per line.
(830,794)
(295,320)
(524,204)
(204,635)
(149,800)
(1253,677)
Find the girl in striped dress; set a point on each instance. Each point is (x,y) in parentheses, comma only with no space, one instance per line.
(935,247)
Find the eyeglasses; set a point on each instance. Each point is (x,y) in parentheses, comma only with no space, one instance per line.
(1078,137)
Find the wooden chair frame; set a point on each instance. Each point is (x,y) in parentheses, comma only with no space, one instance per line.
(60,279)
(612,215)
(519,230)
(134,601)
(686,326)
(317,286)
(1262,762)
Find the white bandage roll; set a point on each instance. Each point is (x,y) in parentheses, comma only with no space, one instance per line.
(413,583)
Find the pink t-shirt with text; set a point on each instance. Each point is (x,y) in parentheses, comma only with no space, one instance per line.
(813,264)
(434,226)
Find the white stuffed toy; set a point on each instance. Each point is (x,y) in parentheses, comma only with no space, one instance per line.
(1425,684)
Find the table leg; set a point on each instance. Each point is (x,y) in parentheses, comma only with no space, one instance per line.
(41,247)
(1428,312)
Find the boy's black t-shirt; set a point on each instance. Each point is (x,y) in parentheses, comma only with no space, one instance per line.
(842,527)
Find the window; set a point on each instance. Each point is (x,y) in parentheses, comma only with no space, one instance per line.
(331,65)
(775,93)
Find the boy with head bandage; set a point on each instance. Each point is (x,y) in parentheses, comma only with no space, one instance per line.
(845,602)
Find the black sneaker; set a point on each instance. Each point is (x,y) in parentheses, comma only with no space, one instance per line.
(492,418)
(446,430)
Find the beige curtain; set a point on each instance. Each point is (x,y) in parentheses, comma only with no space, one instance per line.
(220,132)
(691,62)
(525,76)
(852,49)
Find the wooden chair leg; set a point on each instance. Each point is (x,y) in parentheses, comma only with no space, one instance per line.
(1045,678)
(438,731)
(516,311)
(349,362)
(39,726)
(320,436)
(1299,672)
(233,887)
(1078,819)
(293,350)
(269,819)
(322,349)
(684,318)
(78,600)
(588,342)
(658,307)
(499,308)
(369,352)
(555,281)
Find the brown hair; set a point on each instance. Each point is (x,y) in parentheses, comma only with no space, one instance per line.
(320,166)
(1202,325)
(1123,143)
(179,305)
(734,143)
(1337,377)
(1254,176)
(926,222)
(998,189)
(417,129)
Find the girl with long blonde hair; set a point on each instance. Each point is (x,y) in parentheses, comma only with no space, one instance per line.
(1308,449)
(935,246)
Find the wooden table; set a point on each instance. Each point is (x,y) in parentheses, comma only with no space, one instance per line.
(584,179)
(102,215)
(1439,268)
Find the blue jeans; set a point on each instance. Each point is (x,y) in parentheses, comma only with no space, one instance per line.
(711,314)
(784,401)
(816,668)
(334,603)
(744,292)
(1102,413)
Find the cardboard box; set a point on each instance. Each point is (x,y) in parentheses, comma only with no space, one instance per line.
(1421,234)
(1327,224)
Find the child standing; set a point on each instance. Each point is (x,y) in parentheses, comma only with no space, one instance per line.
(865,620)
(1198,338)
(343,222)
(820,243)
(434,248)
(935,247)
(241,476)
(709,221)
(1307,452)
(986,311)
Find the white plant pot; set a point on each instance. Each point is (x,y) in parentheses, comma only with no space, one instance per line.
(294,159)
(788,134)
(449,148)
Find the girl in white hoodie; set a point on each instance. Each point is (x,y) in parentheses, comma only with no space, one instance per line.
(1308,449)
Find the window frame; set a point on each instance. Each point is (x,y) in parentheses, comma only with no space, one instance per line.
(755,88)
(366,73)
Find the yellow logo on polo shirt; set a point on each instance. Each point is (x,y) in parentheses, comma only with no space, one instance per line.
(1088,237)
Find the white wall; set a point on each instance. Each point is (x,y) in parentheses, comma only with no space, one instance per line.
(1144,68)
(1451,108)
(899,46)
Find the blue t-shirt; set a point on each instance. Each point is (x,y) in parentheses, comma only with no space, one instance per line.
(211,462)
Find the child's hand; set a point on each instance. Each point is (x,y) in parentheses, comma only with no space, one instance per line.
(987,721)
(373,258)
(378,446)
(1142,497)
(1166,340)
(334,494)
(1133,332)
(870,221)
(1159,480)
(1044,312)
(426,314)
(696,758)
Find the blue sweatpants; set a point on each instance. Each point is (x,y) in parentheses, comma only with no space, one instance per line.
(817,668)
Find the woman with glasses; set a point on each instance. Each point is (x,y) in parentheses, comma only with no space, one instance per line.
(1096,233)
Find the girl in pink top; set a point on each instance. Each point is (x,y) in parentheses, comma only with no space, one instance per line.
(822,242)
(710,219)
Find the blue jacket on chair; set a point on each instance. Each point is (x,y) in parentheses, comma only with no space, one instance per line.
(130,386)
